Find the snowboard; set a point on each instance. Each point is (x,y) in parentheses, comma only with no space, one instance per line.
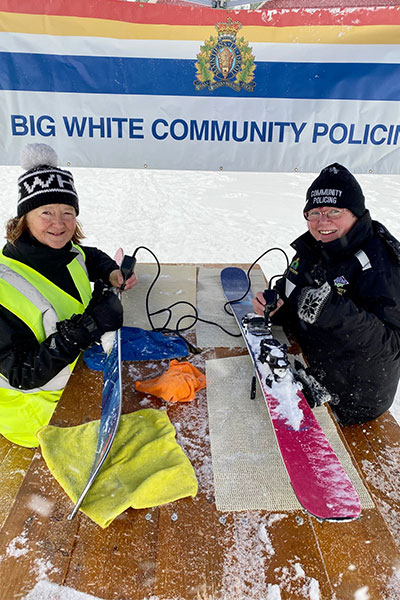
(315,472)
(111,403)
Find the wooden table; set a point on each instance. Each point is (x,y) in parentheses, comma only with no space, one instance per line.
(187,550)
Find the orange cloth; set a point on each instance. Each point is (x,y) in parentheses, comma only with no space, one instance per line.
(179,384)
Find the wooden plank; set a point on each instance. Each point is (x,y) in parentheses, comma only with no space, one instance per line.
(376,448)
(14,464)
(360,554)
(36,540)
(117,562)
(5,445)
(237,555)
(383,437)
(81,400)
(366,553)
(295,566)
(190,554)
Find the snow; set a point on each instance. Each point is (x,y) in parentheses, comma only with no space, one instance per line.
(293,577)
(44,590)
(265,538)
(362,593)
(273,592)
(238,570)
(203,216)
(212,218)
(377,480)
(40,505)
(17,546)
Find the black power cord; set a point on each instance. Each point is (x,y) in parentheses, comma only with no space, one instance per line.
(249,280)
(178,330)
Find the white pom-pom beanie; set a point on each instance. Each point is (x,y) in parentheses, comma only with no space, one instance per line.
(43,182)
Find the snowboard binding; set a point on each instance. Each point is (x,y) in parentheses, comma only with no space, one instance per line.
(255,324)
(272,352)
(274,355)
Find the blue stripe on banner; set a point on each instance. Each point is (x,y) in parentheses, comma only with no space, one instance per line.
(115,75)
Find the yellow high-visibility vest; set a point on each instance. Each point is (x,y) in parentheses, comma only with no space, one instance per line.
(39,303)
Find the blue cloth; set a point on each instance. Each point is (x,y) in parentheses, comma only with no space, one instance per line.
(138,344)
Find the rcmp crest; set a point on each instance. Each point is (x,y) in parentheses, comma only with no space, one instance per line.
(225,60)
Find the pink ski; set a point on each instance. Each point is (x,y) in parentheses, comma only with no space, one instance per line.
(315,472)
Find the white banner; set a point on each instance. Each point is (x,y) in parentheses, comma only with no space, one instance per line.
(168,87)
(153,132)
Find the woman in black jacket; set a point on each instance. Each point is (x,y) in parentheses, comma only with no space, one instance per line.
(48,313)
(340,298)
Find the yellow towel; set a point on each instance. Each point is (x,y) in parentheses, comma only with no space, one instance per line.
(145,467)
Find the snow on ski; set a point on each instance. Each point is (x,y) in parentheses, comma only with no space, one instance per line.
(111,403)
(316,474)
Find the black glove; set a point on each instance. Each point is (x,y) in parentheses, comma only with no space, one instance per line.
(312,301)
(313,298)
(318,276)
(79,332)
(315,392)
(105,308)
(103,313)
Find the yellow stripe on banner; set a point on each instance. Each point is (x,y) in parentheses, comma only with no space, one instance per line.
(327,34)
(87,27)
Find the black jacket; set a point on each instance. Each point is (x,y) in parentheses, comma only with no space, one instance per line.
(345,313)
(26,363)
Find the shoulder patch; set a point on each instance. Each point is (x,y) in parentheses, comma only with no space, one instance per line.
(339,284)
(295,265)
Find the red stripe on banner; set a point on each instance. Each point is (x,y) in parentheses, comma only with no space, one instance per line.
(164,14)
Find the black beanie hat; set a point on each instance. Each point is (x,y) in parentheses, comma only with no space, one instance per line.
(43,182)
(336,186)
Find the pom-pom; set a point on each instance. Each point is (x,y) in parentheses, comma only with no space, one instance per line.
(37,155)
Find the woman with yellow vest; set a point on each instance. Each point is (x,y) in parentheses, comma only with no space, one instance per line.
(48,313)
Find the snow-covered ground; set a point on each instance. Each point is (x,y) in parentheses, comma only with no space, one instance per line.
(187,216)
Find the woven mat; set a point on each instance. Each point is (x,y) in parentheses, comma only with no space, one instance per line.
(247,466)
(176,283)
(210,304)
